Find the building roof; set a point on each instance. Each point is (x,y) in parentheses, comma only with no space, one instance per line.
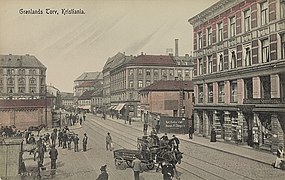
(18,61)
(87,84)
(152,60)
(113,60)
(169,85)
(66,95)
(23,103)
(86,95)
(90,76)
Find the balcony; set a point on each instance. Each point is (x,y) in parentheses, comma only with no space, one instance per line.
(264,101)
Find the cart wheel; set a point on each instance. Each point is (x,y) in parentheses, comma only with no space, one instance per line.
(129,163)
(118,161)
(150,166)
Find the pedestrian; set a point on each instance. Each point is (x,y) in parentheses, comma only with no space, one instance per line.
(80,121)
(53,156)
(175,143)
(76,141)
(84,115)
(167,170)
(109,142)
(85,138)
(41,155)
(53,138)
(136,164)
(190,132)
(157,127)
(64,139)
(145,126)
(27,135)
(279,158)
(104,174)
(60,137)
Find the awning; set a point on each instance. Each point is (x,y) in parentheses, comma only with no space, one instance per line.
(120,106)
(111,107)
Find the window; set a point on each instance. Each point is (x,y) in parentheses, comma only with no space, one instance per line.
(282,8)
(232,26)
(140,83)
(179,73)
(10,89)
(163,73)
(210,93)
(147,83)
(140,71)
(264,12)
(233,59)
(10,71)
(283,45)
(234,91)
(248,89)
(32,81)
(200,66)
(247,58)
(200,40)
(21,71)
(221,91)
(42,81)
(265,50)
(209,36)
(171,72)
(32,72)
(32,90)
(200,94)
(148,72)
(246,20)
(155,72)
(220,32)
(221,62)
(131,96)
(10,81)
(22,89)
(187,73)
(22,81)
(131,72)
(265,85)
(210,64)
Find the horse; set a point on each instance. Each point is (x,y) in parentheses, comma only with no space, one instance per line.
(37,128)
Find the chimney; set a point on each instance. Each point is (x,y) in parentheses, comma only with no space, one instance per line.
(176,47)
(141,53)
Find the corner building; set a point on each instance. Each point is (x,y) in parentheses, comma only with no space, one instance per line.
(239,72)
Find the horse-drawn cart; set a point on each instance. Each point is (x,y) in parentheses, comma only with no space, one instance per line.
(127,155)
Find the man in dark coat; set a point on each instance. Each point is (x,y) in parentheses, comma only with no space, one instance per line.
(85,138)
(190,132)
(76,141)
(104,175)
(53,138)
(53,157)
(41,151)
(167,171)
(60,136)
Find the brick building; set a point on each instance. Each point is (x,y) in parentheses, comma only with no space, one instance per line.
(171,98)
(239,71)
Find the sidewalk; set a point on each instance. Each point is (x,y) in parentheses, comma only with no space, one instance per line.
(239,150)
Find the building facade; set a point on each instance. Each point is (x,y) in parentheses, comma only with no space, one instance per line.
(136,72)
(171,98)
(22,77)
(239,71)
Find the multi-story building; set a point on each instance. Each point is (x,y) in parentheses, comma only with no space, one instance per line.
(22,77)
(239,71)
(86,82)
(67,100)
(133,73)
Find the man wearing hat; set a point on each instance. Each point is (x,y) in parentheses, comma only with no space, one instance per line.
(104,175)
(85,138)
(136,167)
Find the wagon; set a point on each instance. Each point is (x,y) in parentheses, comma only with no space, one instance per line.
(127,155)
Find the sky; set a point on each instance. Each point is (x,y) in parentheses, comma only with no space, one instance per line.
(69,45)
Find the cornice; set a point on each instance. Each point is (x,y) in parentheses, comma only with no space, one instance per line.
(212,11)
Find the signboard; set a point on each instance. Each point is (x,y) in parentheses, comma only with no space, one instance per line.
(177,125)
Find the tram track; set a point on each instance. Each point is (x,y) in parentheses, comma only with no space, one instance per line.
(125,138)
